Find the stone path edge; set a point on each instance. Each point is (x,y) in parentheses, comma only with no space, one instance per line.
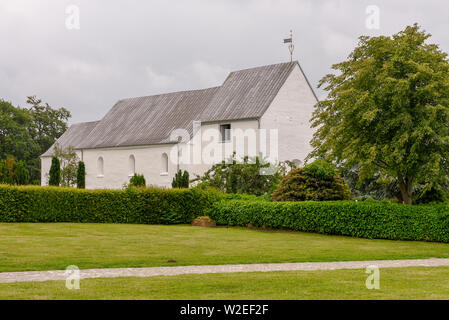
(40,276)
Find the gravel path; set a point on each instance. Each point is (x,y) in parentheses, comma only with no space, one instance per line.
(8,277)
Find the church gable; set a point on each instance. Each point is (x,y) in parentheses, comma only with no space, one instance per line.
(289,114)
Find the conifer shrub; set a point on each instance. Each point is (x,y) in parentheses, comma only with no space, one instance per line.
(137,180)
(180,180)
(81,176)
(55,172)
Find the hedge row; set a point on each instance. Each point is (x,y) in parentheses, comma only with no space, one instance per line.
(148,205)
(174,206)
(364,220)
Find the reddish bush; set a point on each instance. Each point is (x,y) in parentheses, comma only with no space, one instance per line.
(318,181)
(203,221)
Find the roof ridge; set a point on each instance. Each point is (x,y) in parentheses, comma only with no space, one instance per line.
(167,93)
(84,122)
(215,87)
(266,66)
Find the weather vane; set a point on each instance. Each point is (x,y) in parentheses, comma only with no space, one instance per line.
(291,46)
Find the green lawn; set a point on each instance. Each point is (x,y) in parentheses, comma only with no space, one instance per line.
(26,246)
(395,283)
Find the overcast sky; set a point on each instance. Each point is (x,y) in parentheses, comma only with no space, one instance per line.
(136,48)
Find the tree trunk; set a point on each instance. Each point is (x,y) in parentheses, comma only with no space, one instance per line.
(406,187)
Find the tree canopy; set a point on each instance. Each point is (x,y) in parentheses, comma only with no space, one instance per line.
(387,111)
(15,139)
(26,133)
(47,125)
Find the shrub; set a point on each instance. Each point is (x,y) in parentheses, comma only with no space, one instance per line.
(203,221)
(349,218)
(181,180)
(135,205)
(81,176)
(318,181)
(376,186)
(429,195)
(321,169)
(242,196)
(137,180)
(55,172)
(68,162)
(235,176)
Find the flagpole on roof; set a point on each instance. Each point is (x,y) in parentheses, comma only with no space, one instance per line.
(291,46)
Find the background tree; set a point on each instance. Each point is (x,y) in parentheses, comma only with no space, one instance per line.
(7,171)
(13,172)
(81,176)
(25,134)
(378,187)
(387,111)
(55,172)
(47,125)
(15,139)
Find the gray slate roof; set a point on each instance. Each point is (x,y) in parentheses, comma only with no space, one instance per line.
(74,136)
(245,94)
(148,120)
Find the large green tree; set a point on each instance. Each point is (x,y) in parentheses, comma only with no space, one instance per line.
(387,110)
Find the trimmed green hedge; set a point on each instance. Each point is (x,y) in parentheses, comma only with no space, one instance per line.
(174,206)
(364,220)
(135,205)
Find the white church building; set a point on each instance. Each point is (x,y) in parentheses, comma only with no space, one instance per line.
(263,110)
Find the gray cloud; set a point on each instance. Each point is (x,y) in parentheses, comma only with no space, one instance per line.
(136,48)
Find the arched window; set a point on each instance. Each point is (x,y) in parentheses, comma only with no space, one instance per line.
(100,167)
(164,163)
(132,165)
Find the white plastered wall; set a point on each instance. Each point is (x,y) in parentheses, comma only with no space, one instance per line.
(290,112)
(45,169)
(148,159)
(117,170)
(207,146)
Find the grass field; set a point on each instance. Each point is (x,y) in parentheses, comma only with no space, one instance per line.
(395,283)
(26,246)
